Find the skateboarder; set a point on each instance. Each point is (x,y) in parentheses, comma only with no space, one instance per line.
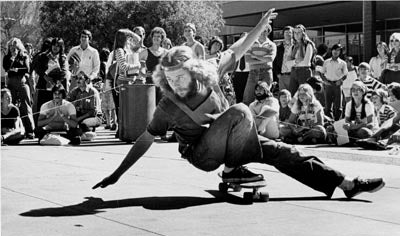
(210,133)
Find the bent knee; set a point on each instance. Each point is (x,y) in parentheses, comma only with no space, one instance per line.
(239,110)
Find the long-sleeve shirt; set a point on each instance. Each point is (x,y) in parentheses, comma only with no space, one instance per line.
(89,60)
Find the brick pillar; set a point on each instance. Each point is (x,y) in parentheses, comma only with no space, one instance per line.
(369,29)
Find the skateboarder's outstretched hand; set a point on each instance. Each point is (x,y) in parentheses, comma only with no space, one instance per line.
(112,179)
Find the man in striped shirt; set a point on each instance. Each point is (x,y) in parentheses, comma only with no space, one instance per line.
(365,76)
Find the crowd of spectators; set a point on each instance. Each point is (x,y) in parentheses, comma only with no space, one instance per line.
(296,92)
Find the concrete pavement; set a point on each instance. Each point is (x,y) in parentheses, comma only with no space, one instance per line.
(47,191)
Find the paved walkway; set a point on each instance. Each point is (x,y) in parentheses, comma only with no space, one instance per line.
(47,191)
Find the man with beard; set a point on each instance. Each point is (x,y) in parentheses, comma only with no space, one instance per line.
(211,134)
(59,115)
(265,110)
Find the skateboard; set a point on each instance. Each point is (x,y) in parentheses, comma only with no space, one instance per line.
(248,197)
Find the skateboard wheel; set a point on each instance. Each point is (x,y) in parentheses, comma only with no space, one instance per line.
(223,187)
(248,197)
(264,196)
(237,188)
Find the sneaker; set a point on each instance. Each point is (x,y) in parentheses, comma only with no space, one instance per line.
(241,175)
(88,136)
(364,185)
(75,141)
(30,136)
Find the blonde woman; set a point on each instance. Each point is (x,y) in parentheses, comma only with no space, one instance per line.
(306,121)
(392,72)
(303,51)
(16,64)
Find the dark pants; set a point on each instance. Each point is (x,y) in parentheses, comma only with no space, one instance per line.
(71,133)
(21,97)
(298,75)
(14,139)
(333,98)
(42,97)
(232,140)
(239,80)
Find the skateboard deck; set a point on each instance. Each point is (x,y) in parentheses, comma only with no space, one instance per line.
(248,197)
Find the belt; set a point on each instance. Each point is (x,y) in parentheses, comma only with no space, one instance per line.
(287,73)
(332,82)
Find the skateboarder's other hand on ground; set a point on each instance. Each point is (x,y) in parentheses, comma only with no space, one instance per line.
(106,181)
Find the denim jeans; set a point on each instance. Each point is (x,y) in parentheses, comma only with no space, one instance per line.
(232,140)
(255,75)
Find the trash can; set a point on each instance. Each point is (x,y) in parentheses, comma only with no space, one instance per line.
(137,104)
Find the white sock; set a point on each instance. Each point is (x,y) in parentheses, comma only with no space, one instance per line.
(347,184)
(228,169)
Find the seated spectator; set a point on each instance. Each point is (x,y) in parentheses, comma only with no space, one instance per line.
(87,103)
(58,115)
(265,110)
(383,112)
(360,121)
(365,76)
(390,127)
(284,108)
(12,130)
(306,121)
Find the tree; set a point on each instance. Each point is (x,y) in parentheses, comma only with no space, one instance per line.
(104,18)
(19,19)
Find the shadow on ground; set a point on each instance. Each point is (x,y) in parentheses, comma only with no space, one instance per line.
(93,205)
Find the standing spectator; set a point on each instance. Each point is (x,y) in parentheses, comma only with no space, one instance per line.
(371,83)
(46,46)
(153,54)
(139,30)
(107,101)
(51,67)
(378,63)
(87,103)
(84,58)
(265,110)
(16,64)
(283,52)
(334,73)
(303,52)
(215,48)
(284,101)
(189,31)
(322,52)
(360,121)
(58,115)
(12,130)
(166,43)
(351,77)
(392,71)
(240,76)
(260,65)
(306,121)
